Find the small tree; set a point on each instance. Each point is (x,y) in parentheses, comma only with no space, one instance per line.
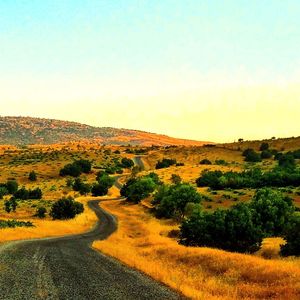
(205,162)
(287,161)
(171,202)
(271,211)
(264,147)
(137,189)
(10,205)
(265,154)
(66,208)
(32,176)
(41,212)
(176,179)
(252,156)
(12,186)
(292,237)
(127,163)
(3,191)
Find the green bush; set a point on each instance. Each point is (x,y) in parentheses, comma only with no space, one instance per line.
(171,201)
(137,189)
(264,147)
(231,230)
(127,163)
(14,223)
(32,176)
(41,212)
(266,154)
(165,163)
(271,211)
(292,237)
(205,162)
(66,208)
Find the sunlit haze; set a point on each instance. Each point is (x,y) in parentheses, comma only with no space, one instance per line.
(204,70)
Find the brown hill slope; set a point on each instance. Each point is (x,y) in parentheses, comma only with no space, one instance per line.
(27,130)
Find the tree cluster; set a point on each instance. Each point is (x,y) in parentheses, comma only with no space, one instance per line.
(76,168)
(254,178)
(242,227)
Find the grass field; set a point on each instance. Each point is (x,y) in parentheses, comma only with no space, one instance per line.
(143,242)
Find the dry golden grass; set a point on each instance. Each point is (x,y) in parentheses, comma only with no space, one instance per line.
(48,228)
(199,273)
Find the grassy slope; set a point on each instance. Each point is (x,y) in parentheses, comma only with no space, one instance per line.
(200,273)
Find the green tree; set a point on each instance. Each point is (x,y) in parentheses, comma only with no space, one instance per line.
(287,161)
(205,162)
(41,212)
(73,170)
(271,211)
(66,208)
(264,147)
(292,237)
(176,179)
(127,163)
(140,189)
(12,186)
(171,202)
(266,154)
(3,191)
(32,176)
(231,230)
(252,156)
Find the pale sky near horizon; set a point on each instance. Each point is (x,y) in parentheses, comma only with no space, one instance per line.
(205,70)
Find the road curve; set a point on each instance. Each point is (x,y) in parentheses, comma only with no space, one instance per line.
(68,268)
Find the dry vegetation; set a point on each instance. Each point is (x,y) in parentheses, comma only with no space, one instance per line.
(144,242)
(200,273)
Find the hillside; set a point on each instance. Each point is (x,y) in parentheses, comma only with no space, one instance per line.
(27,130)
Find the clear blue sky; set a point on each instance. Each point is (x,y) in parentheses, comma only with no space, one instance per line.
(168,64)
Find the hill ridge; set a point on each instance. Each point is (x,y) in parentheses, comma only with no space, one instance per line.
(19,130)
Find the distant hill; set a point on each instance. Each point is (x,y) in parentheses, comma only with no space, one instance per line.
(27,130)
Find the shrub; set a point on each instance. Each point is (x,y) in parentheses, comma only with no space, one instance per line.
(252,156)
(66,208)
(73,170)
(41,212)
(3,191)
(165,163)
(81,187)
(205,162)
(12,186)
(221,162)
(127,163)
(264,147)
(14,223)
(287,161)
(84,165)
(266,154)
(271,211)
(10,205)
(154,177)
(35,194)
(32,176)
(231,229)
(176,179)
(292,237)
(137,189)
(171,201)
